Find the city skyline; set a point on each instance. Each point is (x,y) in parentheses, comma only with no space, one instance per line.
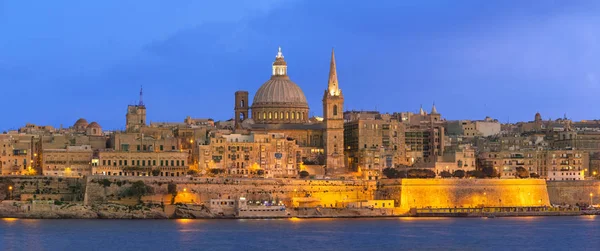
(200,59)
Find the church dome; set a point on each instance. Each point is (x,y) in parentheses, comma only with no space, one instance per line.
(81,123)
(279,100)
(280,91)
(94,125)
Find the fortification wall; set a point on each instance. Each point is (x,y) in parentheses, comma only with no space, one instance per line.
(201,190)
(41,188)
(421,193)
(573,192)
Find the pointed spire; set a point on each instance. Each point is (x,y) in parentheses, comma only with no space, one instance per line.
(421,111)
(141,96)
(433,109)
(333,87)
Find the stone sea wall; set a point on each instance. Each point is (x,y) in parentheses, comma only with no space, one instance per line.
(202,190)
(444,193)
(106,197)
(572,192)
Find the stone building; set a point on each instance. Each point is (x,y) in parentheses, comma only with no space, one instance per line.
(19,154)
(373,142)
(476,128)
(464,159)
(279,106)
(424,144)
(538,162)
(74,161)
(256,154)
(147,163)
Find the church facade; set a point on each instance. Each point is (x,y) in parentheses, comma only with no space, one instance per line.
(280,106)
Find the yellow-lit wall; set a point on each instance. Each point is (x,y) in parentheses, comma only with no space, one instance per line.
(443,193)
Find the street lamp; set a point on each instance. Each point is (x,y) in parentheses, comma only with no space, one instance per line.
(10,188)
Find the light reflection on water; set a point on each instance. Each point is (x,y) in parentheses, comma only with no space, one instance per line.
(577,233)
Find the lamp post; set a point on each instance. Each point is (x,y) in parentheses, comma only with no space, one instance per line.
(10,188)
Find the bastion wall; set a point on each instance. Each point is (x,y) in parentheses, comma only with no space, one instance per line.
(444,193)
(572,192)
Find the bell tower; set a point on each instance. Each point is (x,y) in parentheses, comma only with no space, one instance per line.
(135,118)
(240,108)
(333,117)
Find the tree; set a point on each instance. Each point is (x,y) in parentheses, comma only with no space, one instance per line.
(476,174)
(522,172)
(459,174)
(138,189)
(303,174)
(445,174)
(260,172)
(155,172)
(172,189)
(534,175)
(390,173)
(490,171)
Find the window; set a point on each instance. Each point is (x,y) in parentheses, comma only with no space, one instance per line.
(172,162)
(162,162)
(161,147)
(143,163)
(125,162)
(335,108)
(270,115)
(242,103)
(138,147)
(154,162)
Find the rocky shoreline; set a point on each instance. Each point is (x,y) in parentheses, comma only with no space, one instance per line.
(16,209)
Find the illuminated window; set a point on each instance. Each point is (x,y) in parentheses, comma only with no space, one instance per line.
(270,115)
(275,115)
(287,115)
(281,115)
(264,115)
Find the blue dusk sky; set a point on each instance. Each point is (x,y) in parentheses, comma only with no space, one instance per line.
(62,60)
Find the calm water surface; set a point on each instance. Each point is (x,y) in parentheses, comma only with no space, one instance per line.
(531,233)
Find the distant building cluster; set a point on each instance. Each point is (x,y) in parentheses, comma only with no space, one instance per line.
(274,136)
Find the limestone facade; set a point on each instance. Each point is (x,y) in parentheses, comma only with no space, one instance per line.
(374,143)
(120,163)
(74,161)
(266,155)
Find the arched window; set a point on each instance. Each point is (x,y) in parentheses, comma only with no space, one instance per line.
(275,115)
(270,115)
(302,116)
(281,115)
(264,115)
(242,103)
(297,115)
(293,115)
(287,115)
(335,108)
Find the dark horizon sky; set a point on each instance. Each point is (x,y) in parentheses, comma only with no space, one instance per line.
(62,60)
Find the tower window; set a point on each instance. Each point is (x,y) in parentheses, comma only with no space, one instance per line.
(270,115)
(281,115)
(293,115)
(287,115)
(275,115)
(335,108)
(242,103)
